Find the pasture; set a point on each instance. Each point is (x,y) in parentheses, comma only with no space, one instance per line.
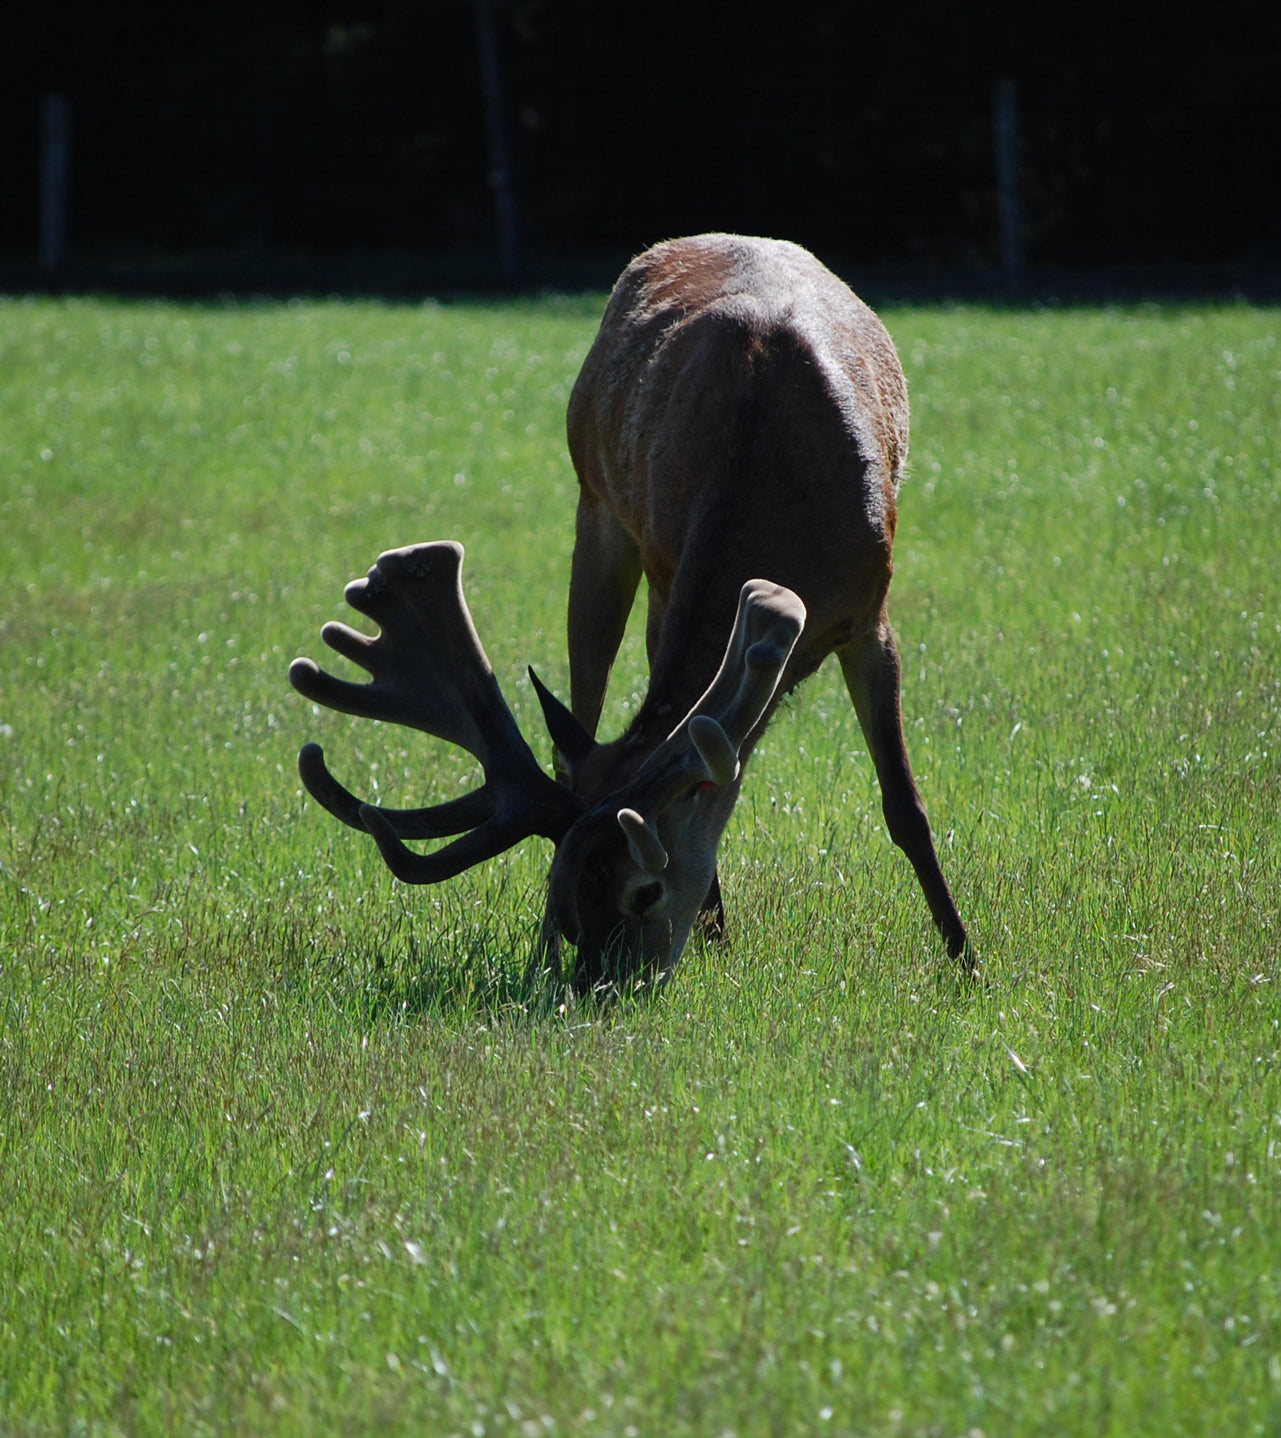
(287,1148)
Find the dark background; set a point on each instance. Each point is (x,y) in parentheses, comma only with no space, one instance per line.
(296,137)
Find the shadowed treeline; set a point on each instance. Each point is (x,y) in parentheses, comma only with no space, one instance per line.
(1143,136)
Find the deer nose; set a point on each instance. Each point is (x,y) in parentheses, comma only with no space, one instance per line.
(645,898)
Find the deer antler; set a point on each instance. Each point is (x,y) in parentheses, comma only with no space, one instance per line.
(769,621)
(430,673)
(705,745)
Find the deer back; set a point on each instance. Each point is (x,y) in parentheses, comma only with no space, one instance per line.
(743,413)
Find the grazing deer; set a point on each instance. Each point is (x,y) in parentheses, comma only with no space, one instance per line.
(739,428)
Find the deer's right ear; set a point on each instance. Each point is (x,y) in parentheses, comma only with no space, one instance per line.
(568,735)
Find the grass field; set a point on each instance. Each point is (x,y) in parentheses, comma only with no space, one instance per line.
(286,1148)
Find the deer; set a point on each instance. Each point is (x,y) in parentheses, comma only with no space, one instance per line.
(739,430)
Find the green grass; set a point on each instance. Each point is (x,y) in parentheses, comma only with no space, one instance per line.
(286,1148)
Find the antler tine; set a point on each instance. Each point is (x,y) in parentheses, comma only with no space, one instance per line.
(437,821)
(707,742)
(429,672)
(769,621)
(429,669)
(494,837)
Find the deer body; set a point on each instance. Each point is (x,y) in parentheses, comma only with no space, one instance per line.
(739,428)
(741,413)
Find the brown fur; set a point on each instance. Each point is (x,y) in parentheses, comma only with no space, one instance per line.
(740,414)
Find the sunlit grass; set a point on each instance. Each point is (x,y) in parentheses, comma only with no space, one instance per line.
(289,1148)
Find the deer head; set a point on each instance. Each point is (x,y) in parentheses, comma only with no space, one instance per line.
(634,858)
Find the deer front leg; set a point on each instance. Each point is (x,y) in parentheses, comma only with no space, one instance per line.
(711,917)
(605,571)
(604,574)
(872,671)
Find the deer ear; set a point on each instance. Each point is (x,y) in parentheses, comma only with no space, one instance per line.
(568,735)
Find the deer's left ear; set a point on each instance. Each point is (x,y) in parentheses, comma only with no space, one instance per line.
(568,735)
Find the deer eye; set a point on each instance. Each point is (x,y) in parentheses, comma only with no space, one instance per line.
(645,899)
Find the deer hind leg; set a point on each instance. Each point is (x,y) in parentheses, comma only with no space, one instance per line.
(871,667)
(605,571)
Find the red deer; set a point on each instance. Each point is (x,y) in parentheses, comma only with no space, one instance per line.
(739,429)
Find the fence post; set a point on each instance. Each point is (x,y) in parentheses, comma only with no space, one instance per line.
(55,168)
(500,170)
(1005,128)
